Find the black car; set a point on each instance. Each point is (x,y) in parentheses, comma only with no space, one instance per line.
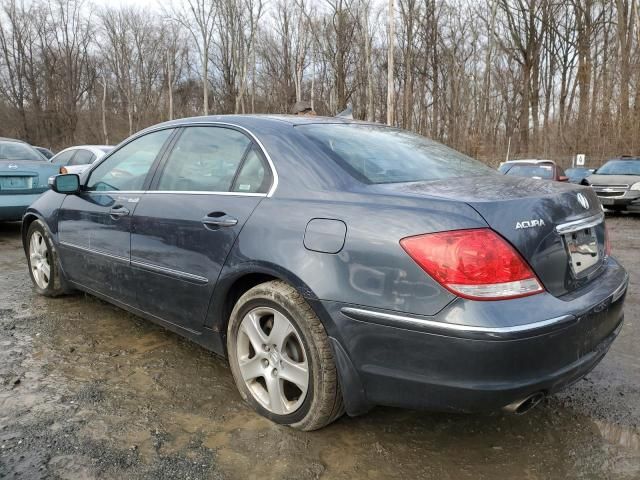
(48,154)
(578,174)
(339,265)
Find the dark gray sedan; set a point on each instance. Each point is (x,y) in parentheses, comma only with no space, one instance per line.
(339,265)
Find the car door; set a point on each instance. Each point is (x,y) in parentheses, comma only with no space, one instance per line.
(94,227)
(183,228)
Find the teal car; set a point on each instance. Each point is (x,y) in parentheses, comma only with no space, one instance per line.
(24,175)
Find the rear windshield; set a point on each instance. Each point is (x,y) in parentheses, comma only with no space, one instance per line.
(620,167)
(15,151)
(531,171)
(378,154)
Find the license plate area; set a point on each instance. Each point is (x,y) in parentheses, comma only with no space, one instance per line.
(16,183)
(584,254)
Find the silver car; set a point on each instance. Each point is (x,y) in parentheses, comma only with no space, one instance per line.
(617,183)
(77,159)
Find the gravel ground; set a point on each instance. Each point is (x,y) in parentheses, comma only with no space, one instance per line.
(89,391)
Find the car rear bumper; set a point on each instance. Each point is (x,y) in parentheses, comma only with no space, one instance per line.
(388,358)
(13,207)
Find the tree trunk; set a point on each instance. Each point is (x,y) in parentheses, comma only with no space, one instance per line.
(104,111)
(390,87)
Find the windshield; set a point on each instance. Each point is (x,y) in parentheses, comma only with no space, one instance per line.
(377,154)
(15,151)
(531,171)
(620,167)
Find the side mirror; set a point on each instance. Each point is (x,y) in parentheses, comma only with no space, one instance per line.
(68,184)
(563,178)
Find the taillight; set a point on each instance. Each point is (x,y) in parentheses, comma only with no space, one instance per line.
(607,241)
(478,264)
(63,170)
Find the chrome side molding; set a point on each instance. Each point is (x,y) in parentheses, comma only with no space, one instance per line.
(458,330)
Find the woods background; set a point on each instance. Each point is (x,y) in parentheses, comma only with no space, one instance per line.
(554,77)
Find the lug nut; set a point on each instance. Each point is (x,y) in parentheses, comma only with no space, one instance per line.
(274,372)
(265,363)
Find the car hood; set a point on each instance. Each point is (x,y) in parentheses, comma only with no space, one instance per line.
(596,179)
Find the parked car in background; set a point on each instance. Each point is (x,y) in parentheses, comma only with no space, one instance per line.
(577,174)
(24,175)
(539,169)
(617,183)
(48,154)
(338,264)
(77,159)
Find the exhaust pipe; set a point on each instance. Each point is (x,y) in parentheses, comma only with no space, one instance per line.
(520,407)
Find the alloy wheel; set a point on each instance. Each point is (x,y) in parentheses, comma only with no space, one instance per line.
(272,360)
(39,258)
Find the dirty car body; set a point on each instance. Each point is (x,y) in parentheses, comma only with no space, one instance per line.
(23,177)
(328,218)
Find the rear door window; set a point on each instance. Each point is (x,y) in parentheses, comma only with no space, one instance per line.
(64,158)
(83,157)
(205,159)
(254,175)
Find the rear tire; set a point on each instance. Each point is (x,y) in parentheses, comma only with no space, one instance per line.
(297,365)
(42,259)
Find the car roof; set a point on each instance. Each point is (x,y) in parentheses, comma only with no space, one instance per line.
(531,161)
(86,147)
(6,139)
(261,120)
(625,157)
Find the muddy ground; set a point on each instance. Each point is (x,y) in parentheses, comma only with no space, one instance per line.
(89,391)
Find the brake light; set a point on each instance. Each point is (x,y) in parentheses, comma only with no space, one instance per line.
(63,170)
(477,264)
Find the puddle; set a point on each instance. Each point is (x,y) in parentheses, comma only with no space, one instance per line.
(618,435)
(103,394)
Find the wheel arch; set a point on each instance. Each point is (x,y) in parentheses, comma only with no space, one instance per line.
(234,282)
(27,220)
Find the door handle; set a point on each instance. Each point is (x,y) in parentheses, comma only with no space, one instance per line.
(219,219)
(118,211)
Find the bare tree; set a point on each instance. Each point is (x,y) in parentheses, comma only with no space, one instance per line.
(198,17)
(390,57)
(549,77)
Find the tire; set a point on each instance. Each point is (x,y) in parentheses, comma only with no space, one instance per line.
(266,307)
(47,280)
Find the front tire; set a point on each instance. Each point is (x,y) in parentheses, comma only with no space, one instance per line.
(43,261)
(281,360)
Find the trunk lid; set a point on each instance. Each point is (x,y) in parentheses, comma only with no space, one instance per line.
(24,177)
(528,213)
